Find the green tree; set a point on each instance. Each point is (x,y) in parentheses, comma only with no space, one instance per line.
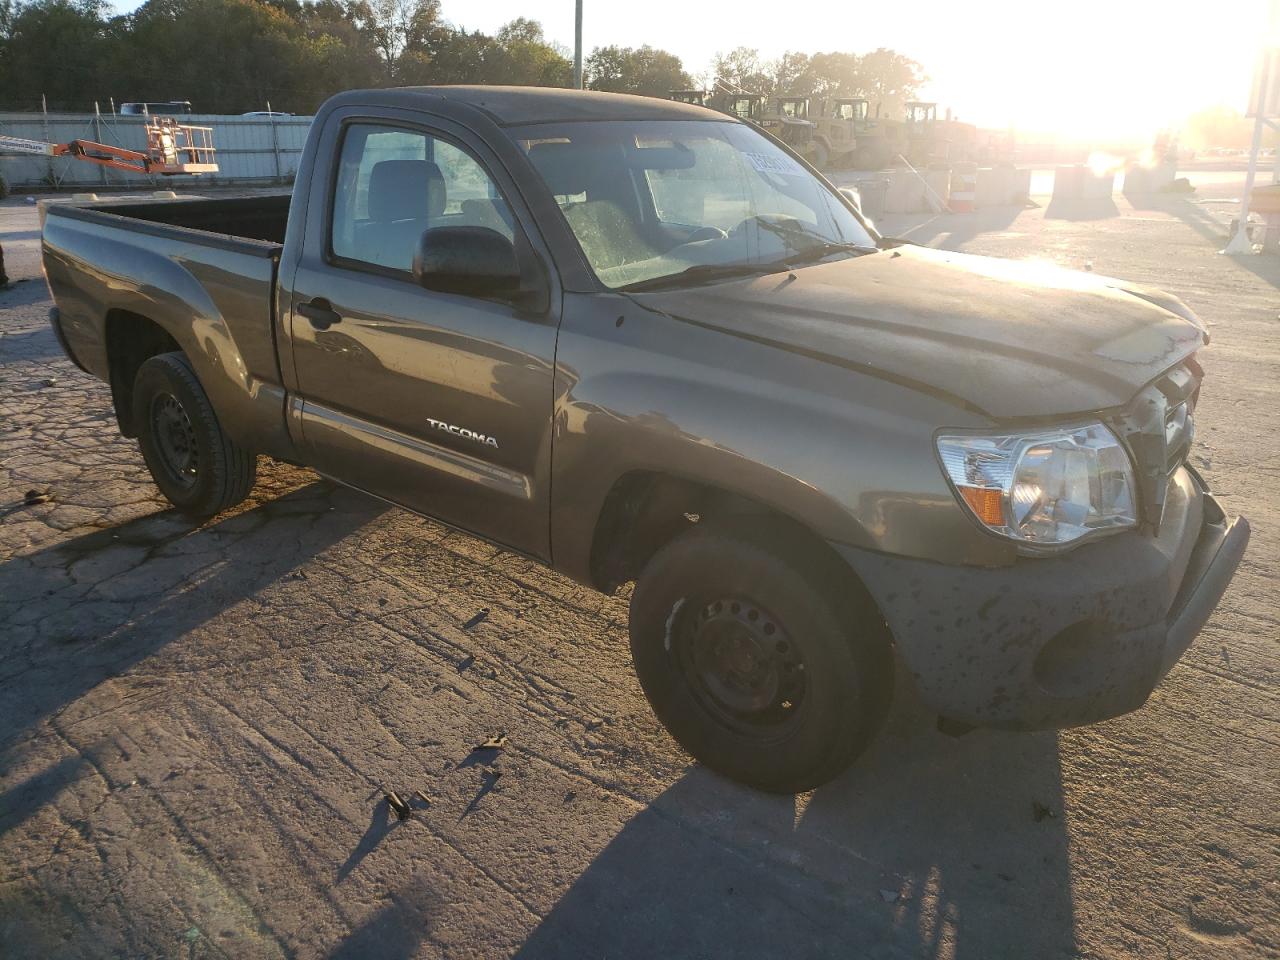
(833,75)
(348,52)
(889,80)
(523,56)
(52,48)
(788,73)
(225,56)
(643,70)
(741,69)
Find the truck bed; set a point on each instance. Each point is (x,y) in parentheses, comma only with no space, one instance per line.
(202,270)
(249,218)
(259,217)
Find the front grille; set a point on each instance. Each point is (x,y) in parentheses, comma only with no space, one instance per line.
(1179,430)
(1159,427)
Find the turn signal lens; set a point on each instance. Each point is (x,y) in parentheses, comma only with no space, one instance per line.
(987,505)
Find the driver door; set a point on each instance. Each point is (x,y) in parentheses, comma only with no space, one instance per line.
(436,401)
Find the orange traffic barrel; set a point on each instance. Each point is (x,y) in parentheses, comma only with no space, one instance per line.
(964,188)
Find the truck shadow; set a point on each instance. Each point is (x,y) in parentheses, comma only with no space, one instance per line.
(929,847)
(1081,208)
(88,609)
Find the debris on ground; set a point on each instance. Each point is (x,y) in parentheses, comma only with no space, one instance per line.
(33,497)
(493,743)
(401,809)
(1040,811)
(478,618)
(889,896)
(421,795)
(48,381)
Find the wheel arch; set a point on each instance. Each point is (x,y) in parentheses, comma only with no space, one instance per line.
(130,340)
(646,509)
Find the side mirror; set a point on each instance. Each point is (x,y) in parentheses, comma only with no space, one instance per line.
(472,261)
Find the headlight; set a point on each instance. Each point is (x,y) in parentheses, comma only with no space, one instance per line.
(1046,487)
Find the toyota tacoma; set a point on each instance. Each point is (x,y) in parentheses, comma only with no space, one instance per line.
(638,340)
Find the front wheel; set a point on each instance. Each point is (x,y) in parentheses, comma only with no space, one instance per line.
(756,660)
(198,468)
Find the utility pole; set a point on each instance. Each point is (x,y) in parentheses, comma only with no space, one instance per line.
(577,45)
(1265,80)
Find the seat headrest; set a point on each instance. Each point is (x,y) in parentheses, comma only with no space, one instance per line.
(566,168)
(405,190)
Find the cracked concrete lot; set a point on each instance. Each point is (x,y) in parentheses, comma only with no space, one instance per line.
(196,723)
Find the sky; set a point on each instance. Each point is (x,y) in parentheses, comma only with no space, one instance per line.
(1079,68)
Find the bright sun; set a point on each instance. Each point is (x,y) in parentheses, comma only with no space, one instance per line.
(1090,70)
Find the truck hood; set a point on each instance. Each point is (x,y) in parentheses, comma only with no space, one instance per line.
(1011,339)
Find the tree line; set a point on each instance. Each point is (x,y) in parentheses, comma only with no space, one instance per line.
(233,56)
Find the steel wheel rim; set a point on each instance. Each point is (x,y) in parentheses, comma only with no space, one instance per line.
(743,667)
(175,440)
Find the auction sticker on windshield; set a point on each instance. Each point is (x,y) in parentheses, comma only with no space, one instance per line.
(774,163)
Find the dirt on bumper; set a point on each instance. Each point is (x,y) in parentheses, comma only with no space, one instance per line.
(1061,641)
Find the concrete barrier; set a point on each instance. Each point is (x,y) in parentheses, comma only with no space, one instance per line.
(1079,182)
(939,181)
(900,191)
(1002,186)
(1139,179)
(873,193)
(906,193)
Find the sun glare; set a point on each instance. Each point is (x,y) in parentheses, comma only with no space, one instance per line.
(1114,72)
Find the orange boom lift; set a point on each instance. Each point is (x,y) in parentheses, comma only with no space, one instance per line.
(172,148)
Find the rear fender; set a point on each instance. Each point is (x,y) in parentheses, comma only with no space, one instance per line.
(214,300)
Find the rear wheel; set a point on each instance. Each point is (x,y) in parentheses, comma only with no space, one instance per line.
(755,659)
(198,468)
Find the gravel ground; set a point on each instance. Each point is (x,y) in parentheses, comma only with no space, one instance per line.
(196,723)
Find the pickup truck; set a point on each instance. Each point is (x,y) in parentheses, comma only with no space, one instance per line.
(641,341)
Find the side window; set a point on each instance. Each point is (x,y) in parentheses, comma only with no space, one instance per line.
(393,184)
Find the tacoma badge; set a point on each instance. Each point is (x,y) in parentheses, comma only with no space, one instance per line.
(463,432)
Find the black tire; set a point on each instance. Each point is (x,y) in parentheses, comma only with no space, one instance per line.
(198,468)
(720,617)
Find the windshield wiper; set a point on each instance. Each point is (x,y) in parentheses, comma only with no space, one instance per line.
(819,250)
(707,273)
(790,231)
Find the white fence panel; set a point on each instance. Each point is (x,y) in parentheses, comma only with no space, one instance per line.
(250,150)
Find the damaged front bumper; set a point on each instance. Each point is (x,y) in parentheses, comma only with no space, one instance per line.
(1059,641)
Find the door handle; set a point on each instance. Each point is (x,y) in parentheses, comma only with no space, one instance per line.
(320,313)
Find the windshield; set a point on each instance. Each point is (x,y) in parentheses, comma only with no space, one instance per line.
(650,199)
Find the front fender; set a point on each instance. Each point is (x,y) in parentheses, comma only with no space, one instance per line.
(844,453)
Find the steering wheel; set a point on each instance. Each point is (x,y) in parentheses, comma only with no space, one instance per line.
(706,233)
